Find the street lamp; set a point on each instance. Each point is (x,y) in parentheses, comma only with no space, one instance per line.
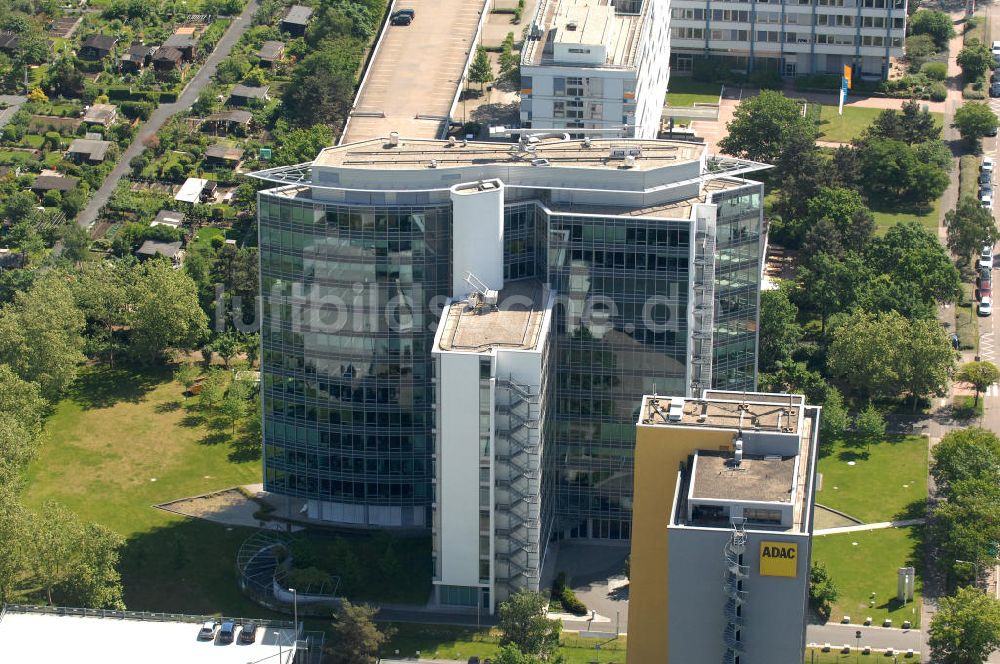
(857,635)
(295,614)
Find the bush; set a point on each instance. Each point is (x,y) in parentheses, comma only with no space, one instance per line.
(936,71)
(939,92)
(767,79)
(818,82)
(570,602)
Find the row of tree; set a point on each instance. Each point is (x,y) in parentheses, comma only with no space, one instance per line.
(963,532)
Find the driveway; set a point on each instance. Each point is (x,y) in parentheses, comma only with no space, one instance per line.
(165,111)
(13,106)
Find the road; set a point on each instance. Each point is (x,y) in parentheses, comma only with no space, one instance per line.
(165,111)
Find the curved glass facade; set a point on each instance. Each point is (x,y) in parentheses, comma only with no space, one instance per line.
(346,364)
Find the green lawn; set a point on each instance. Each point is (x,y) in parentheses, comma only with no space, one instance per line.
(460,643)
(864,562)
(123,441)
(206,234)
(687,92)
(888,482)
(929,218)
(843,128)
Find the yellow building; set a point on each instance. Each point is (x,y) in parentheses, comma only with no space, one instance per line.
(721,527)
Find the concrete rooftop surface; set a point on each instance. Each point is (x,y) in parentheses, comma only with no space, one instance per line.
(416,71)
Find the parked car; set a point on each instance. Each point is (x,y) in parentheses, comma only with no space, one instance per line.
(992,132)
(404,19)
(995,47)
(983,293)
(986,200)
(248,633)
(986,258)
(985,307)
(986,189)
(208,630)
(984,280)
(984,177)
(412,13)
(228,632)
(995,89)
(987,165)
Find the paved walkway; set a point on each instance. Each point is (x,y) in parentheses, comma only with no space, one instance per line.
(13,106)
(869,526)
(164,112)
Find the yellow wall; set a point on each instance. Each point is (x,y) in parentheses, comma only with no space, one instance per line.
(659,453)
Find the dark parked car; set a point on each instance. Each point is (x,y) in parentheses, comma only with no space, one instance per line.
(984,177)
(227,632)
(995,90)
(412,13)
(984,281)
(248,634)
(401,19)
(983,292)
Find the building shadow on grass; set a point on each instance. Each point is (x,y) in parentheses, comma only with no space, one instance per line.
(103,386)
(187,566)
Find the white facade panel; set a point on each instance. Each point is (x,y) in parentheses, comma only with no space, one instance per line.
(458,469)
(477,235)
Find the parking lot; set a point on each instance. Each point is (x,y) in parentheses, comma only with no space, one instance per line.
(416,71)
(37,637)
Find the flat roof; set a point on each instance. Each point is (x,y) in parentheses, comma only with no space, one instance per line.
(298,14)
(620,33)
(43,637)
(93,149)
(515,322)
(758,412)
(757,478)
(190,191)
(414,153)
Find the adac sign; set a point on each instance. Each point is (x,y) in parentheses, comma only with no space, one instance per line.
(778,558)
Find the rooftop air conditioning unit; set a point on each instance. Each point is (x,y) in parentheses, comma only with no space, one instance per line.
(676,410)
(540,162)
(393,138)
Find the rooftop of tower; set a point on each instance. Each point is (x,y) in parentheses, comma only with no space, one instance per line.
(582,23)
(606,153)
(514,322)
(756,411)
(715,476)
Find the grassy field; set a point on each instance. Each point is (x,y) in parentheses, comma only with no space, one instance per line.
(929,218)
(887,482)
(865,562)
(460,643)
(844,128)
(122,441)
(688,92)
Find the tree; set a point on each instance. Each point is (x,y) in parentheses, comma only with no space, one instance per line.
(834,419)
(927,359)
(912,124)
(978,374)
(41,335)
(481,70)
(891,170)
(970,226)
(974,120)
(822,591)
(213,389)
(187,375)
(975,59)
(21,408)
(15,554)
(356,637)
(915,258)
(511,654)
(836,220)
(236,404)
(524,624)
(937,25)
(76,242)
(301,145)
(966,528)
(763,126)
(227,346)
(870,425)
(508,62)
(966,628)
(54,546)
(779,331)
(322,86)
(94,581)
(830,285)
(166,310)
(65,78)
(965,454)
(103,292)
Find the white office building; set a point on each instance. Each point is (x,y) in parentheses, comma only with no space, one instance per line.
(596,64)
(789,36)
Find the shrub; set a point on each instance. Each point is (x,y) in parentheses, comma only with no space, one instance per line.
(818,82)
(939,92)
(570,602)
(767,79)
(936,71)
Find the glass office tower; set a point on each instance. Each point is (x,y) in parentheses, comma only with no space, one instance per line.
(655,263)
